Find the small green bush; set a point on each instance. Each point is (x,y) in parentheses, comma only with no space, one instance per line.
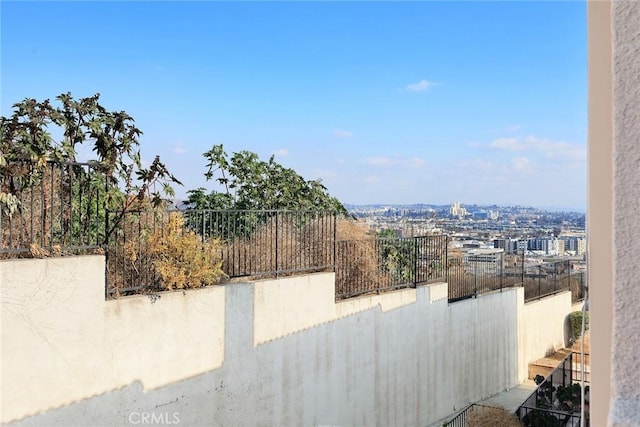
(575,324)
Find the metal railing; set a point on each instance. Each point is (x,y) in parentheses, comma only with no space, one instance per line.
(269,242)
(58,209)
(546,279)
(470,274)
(378,265)
(460,420)
(556,401)
(51,208)
(252,244)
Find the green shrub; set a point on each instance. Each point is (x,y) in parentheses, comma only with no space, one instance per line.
(575,324)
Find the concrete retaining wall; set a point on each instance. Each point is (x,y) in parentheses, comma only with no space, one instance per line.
(264,353)
(542,328)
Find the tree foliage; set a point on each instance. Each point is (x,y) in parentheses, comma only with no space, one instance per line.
(27,147)
(249,183)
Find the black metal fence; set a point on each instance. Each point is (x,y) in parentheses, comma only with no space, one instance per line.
(57,209)
(270,242)
(254,244)
(557,400)
(474,272)
(461,419)
(50,208)
(378,265)
(477,271)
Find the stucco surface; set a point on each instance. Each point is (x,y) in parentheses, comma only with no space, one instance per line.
(540,333)
(276,352)
(625,404)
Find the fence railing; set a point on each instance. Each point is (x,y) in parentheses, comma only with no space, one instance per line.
(557,400)
(461,419)
(472,273)
(57,209)
(377,265)
(270,242)
(51,208)
(249,244)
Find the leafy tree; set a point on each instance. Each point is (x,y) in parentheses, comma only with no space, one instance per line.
(27,147)
(253,184)
(397,256)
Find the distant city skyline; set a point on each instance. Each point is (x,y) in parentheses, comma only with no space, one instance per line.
(387,103)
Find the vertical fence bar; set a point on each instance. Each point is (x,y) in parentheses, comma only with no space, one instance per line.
(522,268)
(539,277)
(105,243)
(475,278)
(335,240)
(415,261)
(276,243)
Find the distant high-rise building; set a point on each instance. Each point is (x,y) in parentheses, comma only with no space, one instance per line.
(484,261)
(508,245)
(577,244)
(457,211)
(548,245)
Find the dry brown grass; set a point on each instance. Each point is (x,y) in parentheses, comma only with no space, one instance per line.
(181,259)
(348,229)
(358,265)
(485,416)
(153,250)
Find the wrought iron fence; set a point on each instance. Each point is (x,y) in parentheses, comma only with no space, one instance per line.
(578,283)
(269,242)
(58,209)
(479,271)
(557,400)
(50,208)
(378,265)
(460,420)
(474,272)
(249,244)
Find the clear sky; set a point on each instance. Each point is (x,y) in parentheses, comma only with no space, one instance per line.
(417,102)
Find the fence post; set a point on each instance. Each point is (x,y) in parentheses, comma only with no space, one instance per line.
(105,243)
(335,241)
(475,278)
(539,278)
(415,262)
(446,259)
(276,244)
(522,268)
(501,271)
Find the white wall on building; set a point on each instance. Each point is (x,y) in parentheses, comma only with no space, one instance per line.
(276,352)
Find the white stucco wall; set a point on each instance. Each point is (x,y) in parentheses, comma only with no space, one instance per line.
(273,352)
(541,327)
(62,342)
(625,374)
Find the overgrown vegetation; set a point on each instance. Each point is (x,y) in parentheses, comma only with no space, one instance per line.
(181,259)
(575,324)
(484,416)
(49,202)
(116,180)
(249,183)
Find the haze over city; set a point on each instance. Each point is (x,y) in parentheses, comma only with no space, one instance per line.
(420,102)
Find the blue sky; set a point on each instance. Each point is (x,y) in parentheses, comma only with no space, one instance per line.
(417,102)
